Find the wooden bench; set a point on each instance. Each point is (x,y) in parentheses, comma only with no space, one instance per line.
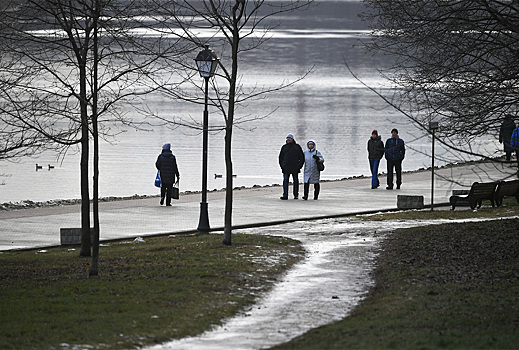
(478,192)
(507,188)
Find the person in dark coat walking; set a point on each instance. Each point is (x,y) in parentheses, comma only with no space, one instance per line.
(167,165)
(291,160)
(505,135)
(395,154)
(375,154)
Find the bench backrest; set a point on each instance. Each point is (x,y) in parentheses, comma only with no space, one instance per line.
(482,189)
(508,188)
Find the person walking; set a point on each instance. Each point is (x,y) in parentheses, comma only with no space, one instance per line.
(312,175)
(291,160)
(505,135)
(375,154)
(395,154)
(167,165)
(514,143)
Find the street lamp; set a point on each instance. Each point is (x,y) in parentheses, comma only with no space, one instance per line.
(433,126)
(206,62)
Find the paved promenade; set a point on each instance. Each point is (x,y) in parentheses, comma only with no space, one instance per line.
(40,227)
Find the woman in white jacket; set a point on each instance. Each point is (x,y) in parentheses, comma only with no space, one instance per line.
(312,175)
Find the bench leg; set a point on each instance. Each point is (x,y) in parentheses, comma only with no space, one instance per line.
(453,202)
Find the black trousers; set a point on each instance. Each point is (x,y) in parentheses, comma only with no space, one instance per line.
(397,165)
(317,189)
(165,190)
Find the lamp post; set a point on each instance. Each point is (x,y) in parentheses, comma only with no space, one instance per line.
(433,126)
(206,62)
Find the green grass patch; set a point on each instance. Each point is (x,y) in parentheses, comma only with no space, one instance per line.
(146,293)
(452,286)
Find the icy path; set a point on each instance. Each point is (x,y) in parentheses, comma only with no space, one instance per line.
(322,289)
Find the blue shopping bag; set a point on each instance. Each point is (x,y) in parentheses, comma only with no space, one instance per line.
(157,180)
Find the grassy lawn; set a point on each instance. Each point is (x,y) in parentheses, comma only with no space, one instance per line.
(441,286)
(146,293)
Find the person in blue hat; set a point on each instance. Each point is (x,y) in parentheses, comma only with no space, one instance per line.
(291,160)
(167,165)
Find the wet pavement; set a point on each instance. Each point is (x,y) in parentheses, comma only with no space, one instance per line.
(259,206)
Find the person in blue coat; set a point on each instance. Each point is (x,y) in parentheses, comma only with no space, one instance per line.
(394,151)
(291,160)
(312,175)
(167,165)
(514,143)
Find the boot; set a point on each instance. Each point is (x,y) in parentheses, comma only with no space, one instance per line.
(306,190)
(317,189)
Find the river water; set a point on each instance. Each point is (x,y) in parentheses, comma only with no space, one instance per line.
(328,106)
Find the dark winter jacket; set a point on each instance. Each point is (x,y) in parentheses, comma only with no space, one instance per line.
(291,158)
(167,164)
(375,148)
(505,133)
(395,149)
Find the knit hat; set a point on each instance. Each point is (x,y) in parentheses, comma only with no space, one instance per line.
(394,130)
(291,136)
(166,146)
(374,132)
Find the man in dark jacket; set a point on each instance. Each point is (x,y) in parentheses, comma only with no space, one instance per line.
(167,164)
(505,135)
(395,154)
(291,160)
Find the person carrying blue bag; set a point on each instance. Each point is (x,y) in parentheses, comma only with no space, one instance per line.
(167,165)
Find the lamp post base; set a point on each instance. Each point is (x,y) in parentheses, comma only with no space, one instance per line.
(203,223)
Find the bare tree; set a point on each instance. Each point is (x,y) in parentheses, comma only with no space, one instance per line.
(456,62)
(16,138)
(234,28)
(89,59)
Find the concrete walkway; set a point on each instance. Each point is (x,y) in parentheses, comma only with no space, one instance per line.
(40,227)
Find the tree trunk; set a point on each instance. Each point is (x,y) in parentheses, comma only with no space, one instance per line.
(227,231)
(85,197)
